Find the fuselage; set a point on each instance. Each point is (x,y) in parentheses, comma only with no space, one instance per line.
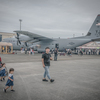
(70,43)
(62,43)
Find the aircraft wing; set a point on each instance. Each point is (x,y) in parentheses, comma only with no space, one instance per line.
(34,36)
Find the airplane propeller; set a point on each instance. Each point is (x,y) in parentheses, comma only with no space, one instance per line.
(26,44)
(18,41)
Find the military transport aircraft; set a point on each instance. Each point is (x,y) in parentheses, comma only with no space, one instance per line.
(39,43)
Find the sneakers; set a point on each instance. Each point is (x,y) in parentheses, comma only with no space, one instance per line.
(45,80)
(4,79)
(51,80)
(13,90)
(4,90)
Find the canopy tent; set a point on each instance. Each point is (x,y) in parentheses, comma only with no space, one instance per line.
(7,46)
(90,45)
(87,47)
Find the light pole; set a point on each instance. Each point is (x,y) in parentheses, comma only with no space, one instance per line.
(20,23)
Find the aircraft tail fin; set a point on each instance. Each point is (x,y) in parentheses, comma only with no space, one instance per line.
(94,31)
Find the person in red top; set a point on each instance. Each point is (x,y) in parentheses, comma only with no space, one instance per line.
(0,60)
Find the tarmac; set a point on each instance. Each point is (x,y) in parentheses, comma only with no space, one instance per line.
(76,78)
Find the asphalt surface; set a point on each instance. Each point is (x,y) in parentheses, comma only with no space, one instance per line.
(76,78)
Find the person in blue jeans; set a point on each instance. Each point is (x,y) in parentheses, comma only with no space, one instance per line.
(46,57)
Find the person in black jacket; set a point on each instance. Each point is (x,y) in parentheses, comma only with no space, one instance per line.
(46,57)
(55,54)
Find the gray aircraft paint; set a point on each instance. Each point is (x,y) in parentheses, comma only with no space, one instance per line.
(63,43)
(92,35)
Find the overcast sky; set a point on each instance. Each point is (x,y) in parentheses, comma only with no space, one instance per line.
(51,18)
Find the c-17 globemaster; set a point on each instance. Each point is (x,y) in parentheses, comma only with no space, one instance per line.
(39,43)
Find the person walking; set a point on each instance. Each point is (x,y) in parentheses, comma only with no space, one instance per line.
(25,50)
(99,51)
(21,49)
(52,51)
(10,81)
(32,51)
(89,51)
(0,60)
(46,57)
(3,72)
(55,54)
(69,53)
(81,52)
(66,51)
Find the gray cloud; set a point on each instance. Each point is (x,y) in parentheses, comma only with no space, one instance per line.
(51,18)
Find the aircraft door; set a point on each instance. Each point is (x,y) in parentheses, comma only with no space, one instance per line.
(57,45)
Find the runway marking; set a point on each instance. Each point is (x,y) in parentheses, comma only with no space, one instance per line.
(27,91)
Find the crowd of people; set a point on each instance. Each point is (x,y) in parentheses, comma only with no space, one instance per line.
(78,51)
(26,51)
(88,51)
(3,49)
(65,51)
